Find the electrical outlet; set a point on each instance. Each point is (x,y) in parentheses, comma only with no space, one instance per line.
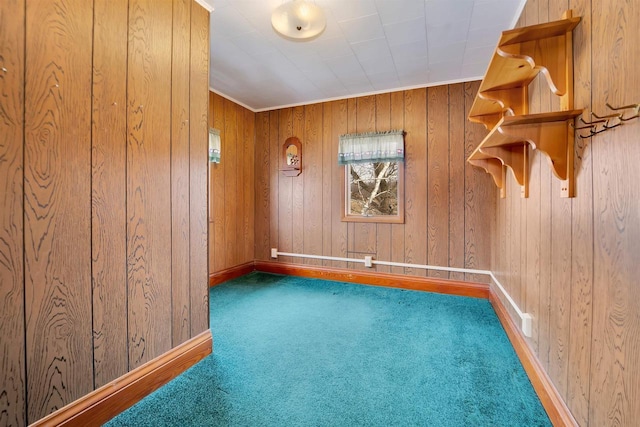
(527,325)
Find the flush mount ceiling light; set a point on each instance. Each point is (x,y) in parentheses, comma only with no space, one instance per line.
(298,20)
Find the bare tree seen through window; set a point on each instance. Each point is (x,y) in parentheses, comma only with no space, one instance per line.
(373,189)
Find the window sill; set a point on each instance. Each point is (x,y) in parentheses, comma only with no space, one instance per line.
(373,219)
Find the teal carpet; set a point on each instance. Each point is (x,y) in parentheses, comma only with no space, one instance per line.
(290,351)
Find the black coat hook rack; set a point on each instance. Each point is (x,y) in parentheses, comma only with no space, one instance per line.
(599,124)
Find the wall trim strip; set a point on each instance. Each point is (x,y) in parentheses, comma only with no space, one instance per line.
(231,273)
(111,399)
(417,283)
(556,408)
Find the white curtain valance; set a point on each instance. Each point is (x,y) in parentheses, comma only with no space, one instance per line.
(214,145)
(371,147)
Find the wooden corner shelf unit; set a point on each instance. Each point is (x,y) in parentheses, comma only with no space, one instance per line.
(502,104)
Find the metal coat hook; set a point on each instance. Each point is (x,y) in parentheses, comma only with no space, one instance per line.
(608,121)
(594,131)
(634,107)
(592,123)
(625,107)
(607,127)
(626,119)
(608,116)
(589,126)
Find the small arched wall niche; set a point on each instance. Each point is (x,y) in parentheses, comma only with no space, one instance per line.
(291,157)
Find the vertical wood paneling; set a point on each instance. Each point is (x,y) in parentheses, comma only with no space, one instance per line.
(479,192)
(531,243)
(457,161)
(86,189)
(210,166)
(57,204)
(505,261)
(438,179)
(274,178)
(339,229)
(327,190)
(233,184)
(561,283)
(578,394)
(312,182)
(180,197)
(285,188)
(218,189)
(416,194)
(240,163)
(522,302)
(262,187)
(383,231)
(297,184)
(397,230)
(615,365)
(500,241)
(544,310)
(108,216)
(249,185)
(211,247)
(352,112)
(148,178)
(515,239)
(198,117)
(530,210)
(546,182)
(12,327)
(365,233)
(229,153)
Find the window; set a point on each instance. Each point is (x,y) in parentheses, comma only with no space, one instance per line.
(374,192)
(374,176)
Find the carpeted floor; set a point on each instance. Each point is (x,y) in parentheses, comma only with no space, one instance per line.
(290,351)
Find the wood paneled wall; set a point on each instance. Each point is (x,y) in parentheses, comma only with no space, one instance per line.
(231,186)
(12,292)
(103,181)
(449,205)
(573,263)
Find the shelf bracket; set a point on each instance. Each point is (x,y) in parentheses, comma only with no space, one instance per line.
(496,169)
(548,55)
(551,52)
(488,120)
(513,100)
(516,158)
(555,141)
(491,105)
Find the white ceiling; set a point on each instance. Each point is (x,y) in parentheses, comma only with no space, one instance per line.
(369,46)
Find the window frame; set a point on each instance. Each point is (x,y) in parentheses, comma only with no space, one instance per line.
(380,219)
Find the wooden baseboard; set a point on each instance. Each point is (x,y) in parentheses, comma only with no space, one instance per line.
(108,401)
(416,283)
(230,273)
(557,410)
